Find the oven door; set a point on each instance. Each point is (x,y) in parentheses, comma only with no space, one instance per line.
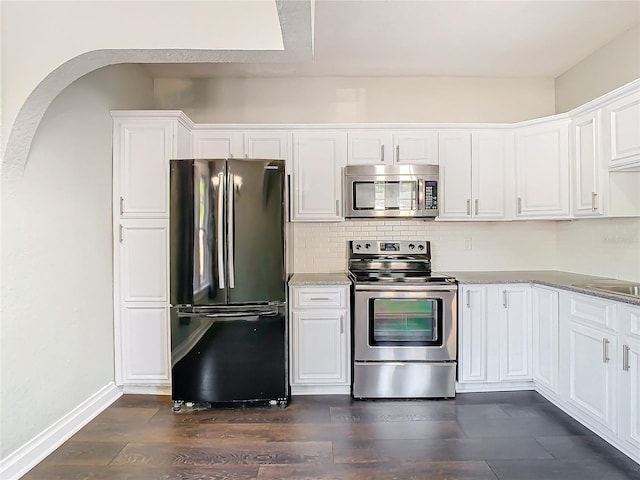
(408,323)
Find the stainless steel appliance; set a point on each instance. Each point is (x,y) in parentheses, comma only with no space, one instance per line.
(404,322)
(405,191)
(228,282)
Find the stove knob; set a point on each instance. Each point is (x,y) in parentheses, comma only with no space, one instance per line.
(420,247)
(367,245)
(411,246)
(358,246)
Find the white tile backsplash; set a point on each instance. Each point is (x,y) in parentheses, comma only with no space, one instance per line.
(322,247)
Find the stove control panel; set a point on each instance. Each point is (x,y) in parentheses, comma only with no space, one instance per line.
(378,247)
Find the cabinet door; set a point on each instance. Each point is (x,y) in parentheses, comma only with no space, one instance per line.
(266,144)
(474,348)
(143,149)
(587,163)
(545,337)
(542,171)
(318,159)
(515,332)
(319,345)
(592,373)
(629,378)
(624,132)
(145,346)
(415,148)
(369,148)
(217,144)
(454,153)
(490,153)
(143,256)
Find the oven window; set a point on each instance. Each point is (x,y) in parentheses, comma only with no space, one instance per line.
(384,195)
(409,322)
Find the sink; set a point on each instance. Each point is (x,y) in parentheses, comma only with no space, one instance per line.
(620,288)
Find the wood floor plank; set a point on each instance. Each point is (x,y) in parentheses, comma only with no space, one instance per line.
(245,453)
(216,472)
(380,471)
(126,415)
(85,453)
(186,434)
(363,432)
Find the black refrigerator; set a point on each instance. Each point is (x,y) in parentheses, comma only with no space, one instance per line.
(228,282)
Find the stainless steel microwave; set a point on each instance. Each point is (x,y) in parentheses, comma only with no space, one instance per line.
(391,191)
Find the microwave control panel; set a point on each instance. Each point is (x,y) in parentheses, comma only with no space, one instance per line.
(430,195)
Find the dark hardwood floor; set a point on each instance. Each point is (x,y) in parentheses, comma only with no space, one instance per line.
(488,436)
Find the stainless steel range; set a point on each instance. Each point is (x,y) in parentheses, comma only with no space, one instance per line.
(404,322)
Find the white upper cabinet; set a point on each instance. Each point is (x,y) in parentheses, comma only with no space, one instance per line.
(268,144)
(455,175)
(542,170)
(142,148)
(217,144)
(589,171)
(316,191)
(473,172)
(375,147)
(623,124)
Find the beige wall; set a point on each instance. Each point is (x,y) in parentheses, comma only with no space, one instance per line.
(356,99)
(613,65)
(57,284)
(607,247)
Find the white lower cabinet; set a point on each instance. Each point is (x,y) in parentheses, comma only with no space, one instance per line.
(588,362)
(495,337)
(545,330)
(629,378)
(320,360)
(145,346)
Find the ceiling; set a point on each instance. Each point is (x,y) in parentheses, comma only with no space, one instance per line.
(516,38)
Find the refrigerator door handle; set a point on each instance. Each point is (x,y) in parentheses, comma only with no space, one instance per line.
(230,228)
(220,233)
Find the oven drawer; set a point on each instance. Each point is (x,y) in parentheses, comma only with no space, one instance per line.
(319,297)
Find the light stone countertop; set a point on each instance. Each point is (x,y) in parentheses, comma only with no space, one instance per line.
(549,278)
(319,279)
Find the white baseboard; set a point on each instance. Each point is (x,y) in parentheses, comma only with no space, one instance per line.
(320,390)
(35,450)
(494,387)
(147,389)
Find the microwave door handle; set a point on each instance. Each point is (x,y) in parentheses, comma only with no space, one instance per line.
(421,207)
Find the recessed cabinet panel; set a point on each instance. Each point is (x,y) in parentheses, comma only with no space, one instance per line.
(588,165)
(624,123)
(489,161)
(320,350)
(415,147)
(369,148)
(542,171)
(143,256)
(145,150)
(455,175)
(266,144)
(145,345)
(217,144)
(473,334)
(592,372)
(515,333)
(545,337)
(318,158)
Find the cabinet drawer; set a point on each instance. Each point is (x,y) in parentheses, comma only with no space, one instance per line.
(319,297)
(590,310)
